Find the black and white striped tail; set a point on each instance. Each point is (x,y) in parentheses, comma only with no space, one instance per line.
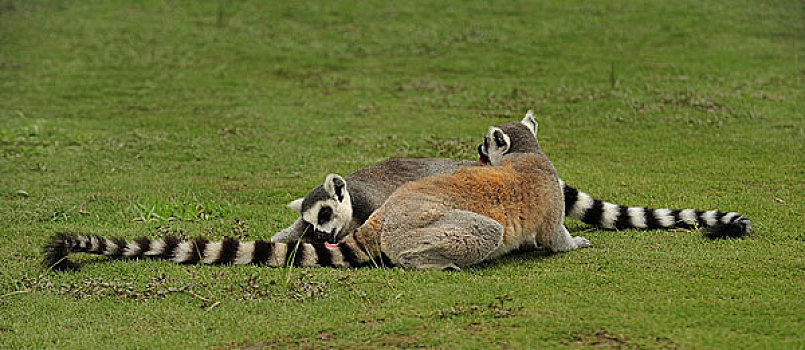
(202,251)
(591,211)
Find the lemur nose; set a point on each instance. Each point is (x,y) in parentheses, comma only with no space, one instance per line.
(322,236)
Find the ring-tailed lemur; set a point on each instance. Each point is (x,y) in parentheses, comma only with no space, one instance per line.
(514,137)
(474,214)
(442,221)
(340,205)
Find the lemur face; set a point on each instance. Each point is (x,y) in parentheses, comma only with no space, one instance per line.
(511,137)
(326,210)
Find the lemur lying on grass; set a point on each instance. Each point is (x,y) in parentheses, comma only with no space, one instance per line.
(513,138)
(331,212)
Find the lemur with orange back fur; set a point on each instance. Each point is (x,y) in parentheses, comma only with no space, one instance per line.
(455,220)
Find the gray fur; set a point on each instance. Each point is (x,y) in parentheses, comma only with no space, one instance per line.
(434,246)
(367,188)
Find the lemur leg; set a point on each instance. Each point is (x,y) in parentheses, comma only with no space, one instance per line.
(290,233)
(562,241)
(458,239)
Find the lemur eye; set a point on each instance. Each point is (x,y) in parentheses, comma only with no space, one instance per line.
(499,141)
(325,213)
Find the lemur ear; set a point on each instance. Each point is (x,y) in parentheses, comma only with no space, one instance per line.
(335,186)
(296,205)
(530,122)
(501,139)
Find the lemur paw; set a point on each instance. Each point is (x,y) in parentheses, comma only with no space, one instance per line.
(581,242)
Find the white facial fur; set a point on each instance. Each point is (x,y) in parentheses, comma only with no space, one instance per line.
(340,203)
(498,144)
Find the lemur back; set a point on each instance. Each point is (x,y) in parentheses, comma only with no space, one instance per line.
(373,185)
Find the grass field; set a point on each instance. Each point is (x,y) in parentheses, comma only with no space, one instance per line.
(204,118)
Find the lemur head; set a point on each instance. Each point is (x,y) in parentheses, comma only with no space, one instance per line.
(326,210)
(511,137)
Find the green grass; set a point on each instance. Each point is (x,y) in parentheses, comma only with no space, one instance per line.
(112,111)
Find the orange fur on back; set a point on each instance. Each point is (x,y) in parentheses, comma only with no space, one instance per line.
(518,194)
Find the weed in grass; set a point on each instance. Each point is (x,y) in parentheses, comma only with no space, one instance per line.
(163,231)
(178,209)
(289,261)
(614,82)
(220,20)
(35,138)
(60,214)
(240,230)
(26,140)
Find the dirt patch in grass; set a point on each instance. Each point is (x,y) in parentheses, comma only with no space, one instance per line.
(306,288)
(401,341)
(318,341)
(601,338)
(156,287)
(604,338)
(499,308)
